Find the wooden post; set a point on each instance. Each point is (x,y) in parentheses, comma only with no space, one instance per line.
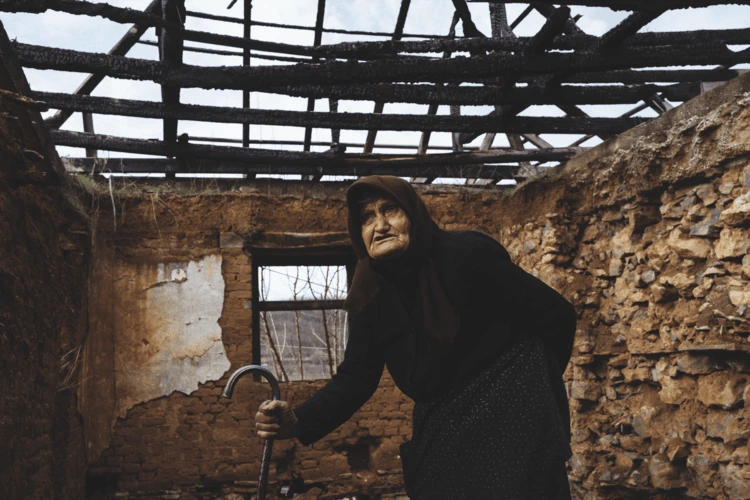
(316,42)
(88,127)
(246,60)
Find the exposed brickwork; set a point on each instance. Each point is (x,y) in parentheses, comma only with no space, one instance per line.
(43,277)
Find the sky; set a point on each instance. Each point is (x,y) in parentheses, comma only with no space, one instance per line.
(94,34)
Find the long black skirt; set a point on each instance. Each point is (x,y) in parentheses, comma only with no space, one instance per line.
(500,437)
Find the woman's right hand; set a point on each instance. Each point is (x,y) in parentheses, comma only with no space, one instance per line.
(276,420)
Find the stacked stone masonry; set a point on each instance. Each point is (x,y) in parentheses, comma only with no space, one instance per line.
(648,235)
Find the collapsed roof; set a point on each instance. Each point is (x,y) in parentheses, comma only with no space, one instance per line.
(560,65)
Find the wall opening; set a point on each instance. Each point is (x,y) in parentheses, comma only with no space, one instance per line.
(302,326)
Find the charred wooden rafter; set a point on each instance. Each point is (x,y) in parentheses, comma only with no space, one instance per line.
(470,29)
(186,152)
(380,105)
(628,27)
(228,19)
(218,166)
(116,14)
(219,52)
(629,77)
(553,26)
(170,53)
(316,41)
(645,4)
(424,139)
(120,49)
(379,50)
(348,121)
(406,70)
(247,9)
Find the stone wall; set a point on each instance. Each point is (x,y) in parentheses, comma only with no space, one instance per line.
(43,275)
(646,234)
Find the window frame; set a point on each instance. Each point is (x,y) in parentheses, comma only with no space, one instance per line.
(264,257)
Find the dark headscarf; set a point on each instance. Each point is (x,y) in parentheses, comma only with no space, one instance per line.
(435,314)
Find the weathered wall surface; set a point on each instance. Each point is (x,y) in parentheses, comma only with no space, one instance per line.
(647,235)
(43,276)
(167,333)
(194,441)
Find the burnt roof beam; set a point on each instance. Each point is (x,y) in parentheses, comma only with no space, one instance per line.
(470,29)
(256,156)
(478,96)
(628,27)
(170,54)
(121,48)
(411,69)
(380,105)
(424,139)
(553,26)
(385,49)
(215,166)
(348,121)
(81,7)
(645,5)
(318,39)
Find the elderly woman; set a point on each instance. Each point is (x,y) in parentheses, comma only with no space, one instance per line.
(476,342)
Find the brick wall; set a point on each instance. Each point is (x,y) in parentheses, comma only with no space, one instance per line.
(43,276)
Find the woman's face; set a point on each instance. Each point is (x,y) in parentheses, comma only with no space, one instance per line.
(385,228)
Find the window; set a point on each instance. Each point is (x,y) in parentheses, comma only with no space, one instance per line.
(300,282)
(303,328)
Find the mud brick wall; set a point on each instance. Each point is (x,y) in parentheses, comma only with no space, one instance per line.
(200,444)
(43,277)
(647,234)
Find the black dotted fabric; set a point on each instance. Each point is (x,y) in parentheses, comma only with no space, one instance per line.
(500,437)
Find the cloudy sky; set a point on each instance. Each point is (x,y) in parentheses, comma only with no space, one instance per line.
(425,16)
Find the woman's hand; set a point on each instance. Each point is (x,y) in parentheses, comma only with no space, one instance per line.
(276,420)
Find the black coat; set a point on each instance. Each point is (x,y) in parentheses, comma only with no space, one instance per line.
(499,304)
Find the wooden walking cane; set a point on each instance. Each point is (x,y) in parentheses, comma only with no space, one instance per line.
(265,461)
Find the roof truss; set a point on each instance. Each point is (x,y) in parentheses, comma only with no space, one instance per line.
(560,65)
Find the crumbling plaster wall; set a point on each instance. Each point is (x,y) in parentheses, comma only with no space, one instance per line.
(646,234)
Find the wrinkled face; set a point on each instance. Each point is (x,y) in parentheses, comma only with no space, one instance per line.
(385,228)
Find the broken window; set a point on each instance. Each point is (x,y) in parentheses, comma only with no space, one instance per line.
(302,323)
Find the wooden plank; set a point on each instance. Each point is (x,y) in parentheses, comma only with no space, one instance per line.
(350,121)
(271,156)
(300,305)
(214,166)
